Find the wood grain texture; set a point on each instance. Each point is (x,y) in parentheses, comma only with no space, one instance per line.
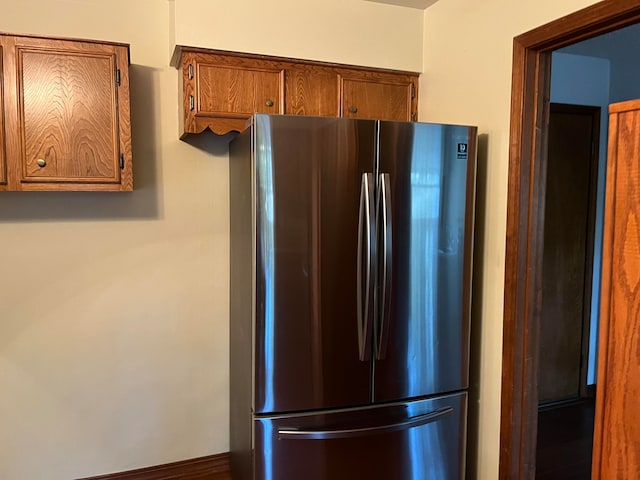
(237,91)
(221,90)
(213,467)
(376,99)
(123,105)
(68,116)
(605,299)
(523,265)
(3,156)
(530,89)
(312,90)
(224,92)
(12,143)
(617,433)
(188,96)
(63,107)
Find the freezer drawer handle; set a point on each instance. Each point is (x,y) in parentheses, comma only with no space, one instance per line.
(366,236)
(295,434)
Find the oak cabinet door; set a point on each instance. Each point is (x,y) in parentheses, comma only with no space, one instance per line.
(68,116)
(72,102)
(312,91)
(239,91)
(221,93)
(377,99)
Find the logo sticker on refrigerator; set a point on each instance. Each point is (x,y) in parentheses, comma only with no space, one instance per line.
(462,150)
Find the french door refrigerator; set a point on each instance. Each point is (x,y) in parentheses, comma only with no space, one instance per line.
(351,245)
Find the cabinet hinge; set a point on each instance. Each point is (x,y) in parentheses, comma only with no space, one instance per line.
(191,72)
(192,102)
(413,91)
(122,161)
(118,77)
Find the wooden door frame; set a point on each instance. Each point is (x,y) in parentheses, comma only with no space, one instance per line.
(525,211)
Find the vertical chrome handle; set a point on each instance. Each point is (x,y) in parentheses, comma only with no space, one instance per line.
(385,239)
(366,249)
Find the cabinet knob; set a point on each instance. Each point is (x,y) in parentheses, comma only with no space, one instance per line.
(269,103)
(41,162)
(353,109)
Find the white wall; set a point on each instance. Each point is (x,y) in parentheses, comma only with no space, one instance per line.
(114,323)
(568,85)
(467,79)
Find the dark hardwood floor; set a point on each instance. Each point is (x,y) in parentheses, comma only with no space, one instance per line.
(565,441)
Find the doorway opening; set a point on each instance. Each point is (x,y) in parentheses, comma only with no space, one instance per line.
(566,377)
(594,72)
(525,222)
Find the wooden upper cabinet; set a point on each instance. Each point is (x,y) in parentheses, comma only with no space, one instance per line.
(221,93)
(386,98)
(67,115)
(221,90)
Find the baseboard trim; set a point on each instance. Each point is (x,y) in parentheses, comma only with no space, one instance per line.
(212,467)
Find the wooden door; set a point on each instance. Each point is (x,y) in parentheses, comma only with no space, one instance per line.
(384,99)
(616,449)
(568,251)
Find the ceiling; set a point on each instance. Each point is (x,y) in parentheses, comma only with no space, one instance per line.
(421,4)
(619,41)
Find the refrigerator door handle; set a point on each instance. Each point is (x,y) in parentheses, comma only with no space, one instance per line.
(313,434)
(366,249)
(384,237)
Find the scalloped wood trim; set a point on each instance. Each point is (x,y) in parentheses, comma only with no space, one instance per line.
(219,126)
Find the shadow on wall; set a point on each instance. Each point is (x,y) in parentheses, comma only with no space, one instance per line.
(210,142)
(142,203)
(476,307)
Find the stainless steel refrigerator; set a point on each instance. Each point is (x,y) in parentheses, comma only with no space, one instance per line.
(351,246)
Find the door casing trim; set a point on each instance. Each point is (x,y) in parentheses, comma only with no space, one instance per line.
(531,77)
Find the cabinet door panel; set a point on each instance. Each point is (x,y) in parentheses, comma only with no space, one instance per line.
(68,115)
(240,91)
(363,98)
(312,91)
(3,157)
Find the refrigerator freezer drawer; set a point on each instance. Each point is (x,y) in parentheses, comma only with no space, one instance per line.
(419,440)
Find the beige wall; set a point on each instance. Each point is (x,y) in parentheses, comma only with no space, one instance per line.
(467,79)
(343,31)
(114,319)
(114,323)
